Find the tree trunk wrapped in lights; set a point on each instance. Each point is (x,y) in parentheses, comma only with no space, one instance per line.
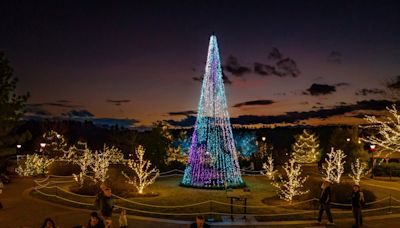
(269,168)
(34,165)
(388,137)
(101,160)
(292,185)
(144,176)
(334,166)
(359,170)
(306,148)
(213,161)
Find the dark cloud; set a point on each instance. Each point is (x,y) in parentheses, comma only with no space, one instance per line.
(280,94)
(264,70)
(63,101)
(198,79)
(232,66)
(366,92)
(335,57)
(287,67)
(304,103)
(224,77)
(36,110)
(78,114)
(320,89)
(112,122)
(118,102)
(342,84)
(294,117)
(283,68)
(182,113)
(275,54)
(188,121)
(394,83)
(252,103)
(56,104)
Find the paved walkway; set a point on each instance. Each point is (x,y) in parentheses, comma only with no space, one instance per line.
(23,211)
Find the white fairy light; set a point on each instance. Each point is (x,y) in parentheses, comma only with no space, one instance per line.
(306,148)
(359,170)
(143,175)
(388,137)
(334,166)
(292,185)
(269,168)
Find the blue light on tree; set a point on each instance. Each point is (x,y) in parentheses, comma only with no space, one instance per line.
(213,161)
(246,143)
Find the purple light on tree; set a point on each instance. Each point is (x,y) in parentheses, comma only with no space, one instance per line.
(213,161)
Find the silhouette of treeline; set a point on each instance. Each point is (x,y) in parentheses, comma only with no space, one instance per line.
(279,139)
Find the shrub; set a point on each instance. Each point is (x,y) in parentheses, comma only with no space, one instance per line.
(390,169)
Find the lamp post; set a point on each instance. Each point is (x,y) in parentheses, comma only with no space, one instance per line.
(18,148)
(372,148)
(42,146)
(264,145)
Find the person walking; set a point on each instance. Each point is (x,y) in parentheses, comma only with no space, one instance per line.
(325,201)
(357,202)
(104,202)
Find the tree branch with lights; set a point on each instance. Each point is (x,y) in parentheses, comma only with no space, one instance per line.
(143,175)
(334,166)
(292,185)
(359,170)
(306,148)
(388,129)
(34,165)
(269,168)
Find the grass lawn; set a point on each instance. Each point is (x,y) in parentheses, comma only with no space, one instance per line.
(170,195)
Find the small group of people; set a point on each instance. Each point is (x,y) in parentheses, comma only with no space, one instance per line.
(104,203)
(357,202)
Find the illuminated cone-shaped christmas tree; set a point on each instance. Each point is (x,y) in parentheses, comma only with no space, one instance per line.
(213,159)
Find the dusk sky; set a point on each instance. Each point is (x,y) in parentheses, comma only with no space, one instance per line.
(292,61)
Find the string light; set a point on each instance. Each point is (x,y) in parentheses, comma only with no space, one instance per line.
(359,170)
(306,148)
(291,186)
(213,161)
(269,168)
(334,166)
(34,165)
(388,137)
(144,176)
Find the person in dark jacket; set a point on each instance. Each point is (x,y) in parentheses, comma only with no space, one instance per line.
(325,201)
(357,201)
(105,203)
